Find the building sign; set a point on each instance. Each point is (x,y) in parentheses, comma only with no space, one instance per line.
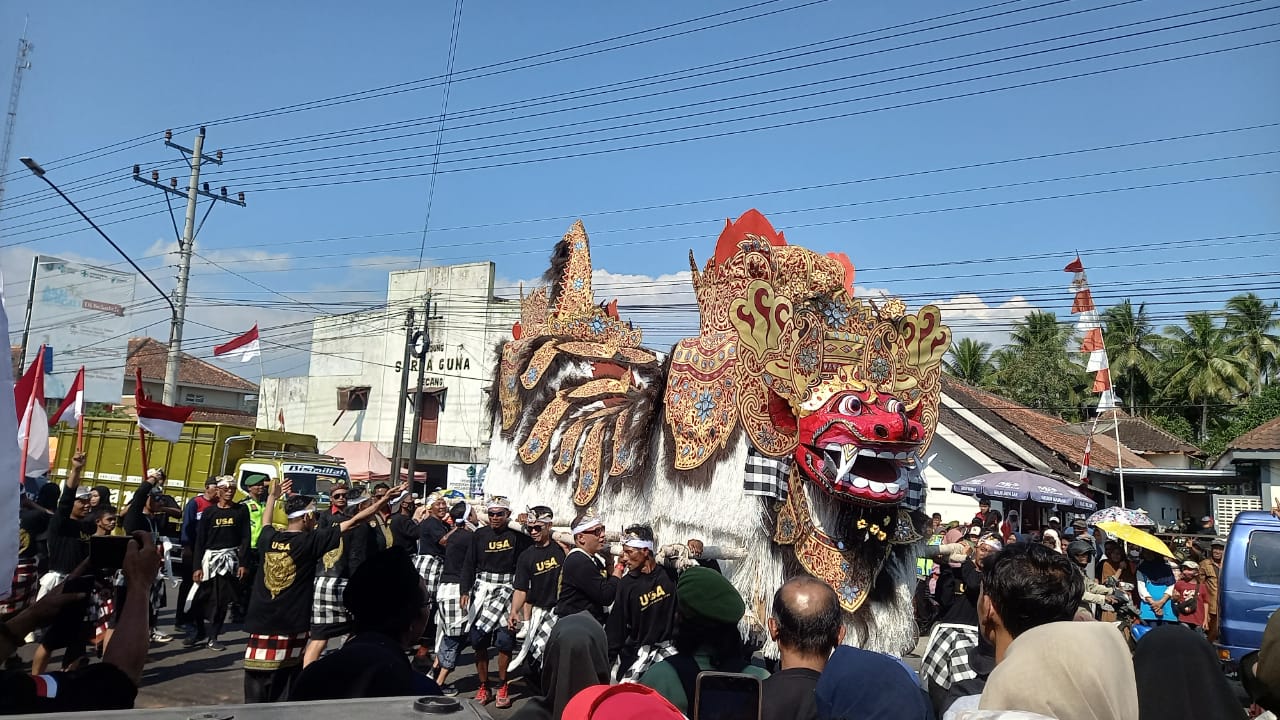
(82,312)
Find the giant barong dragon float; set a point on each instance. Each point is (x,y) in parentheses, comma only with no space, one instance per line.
(792,426)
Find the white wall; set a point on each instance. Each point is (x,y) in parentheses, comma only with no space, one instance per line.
(955,460)
(368,349)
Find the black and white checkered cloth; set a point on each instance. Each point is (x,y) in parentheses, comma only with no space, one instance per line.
(451,619)
(914,499)
(946,657)
(766,476)
(326,605)
(491,600)
(538,632)
(429,567)
(26,579)
(648,656)
(221,561)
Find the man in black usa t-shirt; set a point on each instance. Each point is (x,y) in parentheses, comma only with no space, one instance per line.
(537,582)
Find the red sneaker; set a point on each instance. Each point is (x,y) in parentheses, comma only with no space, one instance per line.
(482,695)
(504,697)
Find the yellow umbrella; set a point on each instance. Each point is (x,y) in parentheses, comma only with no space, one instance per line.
(1141,538)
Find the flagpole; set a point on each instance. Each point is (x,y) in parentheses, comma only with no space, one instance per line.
(80,416)
(142,448)
(1119,455)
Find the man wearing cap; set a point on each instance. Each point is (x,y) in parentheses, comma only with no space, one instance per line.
(1210,572)
(191,514)
(147,513)
(279,616)
(486,591)
(642,622)
(537,582)
(329,616)
(69,531)
(1191,597)
(586,583)
(706,638)
(222,541)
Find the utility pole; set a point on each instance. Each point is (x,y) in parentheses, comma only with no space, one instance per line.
(194,156)
(409,333)
(416,434)
(11,119)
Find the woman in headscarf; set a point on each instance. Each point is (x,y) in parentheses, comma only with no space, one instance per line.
(1190,687)
(1067,671)
(576,657)
(1050,538)
(1155,588)
(861,685)
(100,499)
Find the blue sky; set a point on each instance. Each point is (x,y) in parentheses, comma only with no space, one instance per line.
(105,73)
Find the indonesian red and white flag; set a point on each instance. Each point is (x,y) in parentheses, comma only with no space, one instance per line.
(33,422)
(1084,465)
(246,346)
(72,408)
(161,420)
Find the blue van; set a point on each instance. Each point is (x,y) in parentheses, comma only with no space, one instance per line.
(1249,586)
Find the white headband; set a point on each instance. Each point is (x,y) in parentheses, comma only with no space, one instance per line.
(589,522)
(308,510)
(633,541)
(991,542)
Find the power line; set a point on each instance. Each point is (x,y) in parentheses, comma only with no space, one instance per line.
(435,160)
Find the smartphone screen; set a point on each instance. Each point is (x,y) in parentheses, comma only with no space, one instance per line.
(727,696)
(106,552)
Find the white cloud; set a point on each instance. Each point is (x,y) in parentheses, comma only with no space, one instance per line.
(969,316)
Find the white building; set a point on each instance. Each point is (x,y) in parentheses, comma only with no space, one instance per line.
(349,392)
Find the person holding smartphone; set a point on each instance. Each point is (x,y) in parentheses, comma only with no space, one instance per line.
(69,531)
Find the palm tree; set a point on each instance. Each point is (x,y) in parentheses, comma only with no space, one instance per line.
(1131,342)
(1251,326)
(1202,365)
(1035,368)
(970,361)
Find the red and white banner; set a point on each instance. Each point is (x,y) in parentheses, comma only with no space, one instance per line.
(246,346)
(161,420)
(72,408)
(1084,466)
(33,422)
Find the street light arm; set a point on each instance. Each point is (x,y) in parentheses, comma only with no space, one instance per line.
(39,172)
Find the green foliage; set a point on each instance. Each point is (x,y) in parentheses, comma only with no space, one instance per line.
(1259,409)
(970,361)
(1035,368)
(1176,425)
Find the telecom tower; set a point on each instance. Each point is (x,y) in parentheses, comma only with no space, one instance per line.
(11,120)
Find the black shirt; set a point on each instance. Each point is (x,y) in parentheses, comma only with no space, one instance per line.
(281,600)
(585,584)
(430,532)
(958,590)
(355,547)
(68,538)
(101,686)
(369,665)
(136,517)
(538,574)
(789,695)
(404,532)
(643,614)
(31,523)
(493,551)
(712,564)
(222,528)
(456,552)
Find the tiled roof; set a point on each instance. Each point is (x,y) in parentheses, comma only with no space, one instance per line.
(1264,437)
(1023,425)
(981,440)
(230,417)
(1143,437)
(150,355)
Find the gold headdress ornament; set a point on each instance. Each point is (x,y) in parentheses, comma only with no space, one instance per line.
(589,520)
